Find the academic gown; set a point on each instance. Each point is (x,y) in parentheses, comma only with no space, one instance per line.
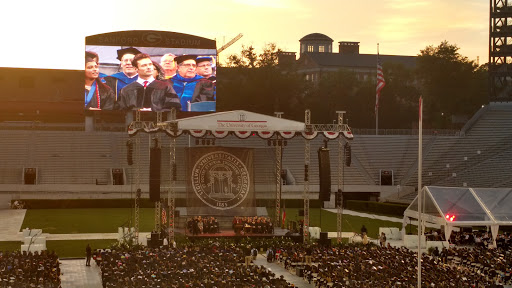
(158,95)
(106,97)
(118,81)
(192,90)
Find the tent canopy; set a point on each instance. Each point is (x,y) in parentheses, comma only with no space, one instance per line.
(462,206)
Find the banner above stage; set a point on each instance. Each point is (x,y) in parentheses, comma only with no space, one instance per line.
(240,121)
(243,124)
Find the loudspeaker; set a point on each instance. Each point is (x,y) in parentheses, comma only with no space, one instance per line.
(176,213)
(324,239)
(301,212)
(338,198)
(155,236)
(386,177)
(348,154)
(324,165)
(117,176)
(30,176)
(129,152)
(154,173)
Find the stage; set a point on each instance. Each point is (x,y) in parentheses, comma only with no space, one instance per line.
(229,233)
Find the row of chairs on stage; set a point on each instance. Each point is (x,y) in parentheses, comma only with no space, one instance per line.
(199,225)
(253,225)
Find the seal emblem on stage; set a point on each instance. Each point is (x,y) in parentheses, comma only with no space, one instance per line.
(220,180)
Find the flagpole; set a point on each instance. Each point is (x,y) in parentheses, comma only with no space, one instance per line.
(377,101)
(420,200)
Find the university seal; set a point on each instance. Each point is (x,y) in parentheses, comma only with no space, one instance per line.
(220,180)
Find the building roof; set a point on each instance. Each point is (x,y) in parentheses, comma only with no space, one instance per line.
(357,60)
(316,37)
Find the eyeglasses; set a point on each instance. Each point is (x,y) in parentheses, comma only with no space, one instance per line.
(205,65)
(189,65)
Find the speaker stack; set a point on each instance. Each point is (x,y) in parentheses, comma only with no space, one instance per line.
(154,173)
(324,164)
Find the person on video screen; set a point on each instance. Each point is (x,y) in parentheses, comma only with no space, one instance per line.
(158,71)
(146,93)
(96,58)
(128,73)
(168,62)
(97,94)
(205,69)
(186,80)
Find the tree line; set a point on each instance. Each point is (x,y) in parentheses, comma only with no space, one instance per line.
(452,87)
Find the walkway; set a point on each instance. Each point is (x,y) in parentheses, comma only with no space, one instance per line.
(76,275)
(279,270)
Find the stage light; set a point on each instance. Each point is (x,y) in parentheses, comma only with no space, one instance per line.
(449,217)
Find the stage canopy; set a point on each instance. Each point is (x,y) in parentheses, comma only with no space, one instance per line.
(462,206)
(243,124)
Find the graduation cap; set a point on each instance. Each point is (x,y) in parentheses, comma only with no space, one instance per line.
(129,50)
(203,59)
(183,58)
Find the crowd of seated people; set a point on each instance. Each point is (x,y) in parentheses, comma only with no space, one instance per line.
(202,225)
(374,266)
(22,269)
(253,225)
(479,238)
(201,265)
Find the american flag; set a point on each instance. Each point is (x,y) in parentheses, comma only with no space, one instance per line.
(164,216)
(380,82)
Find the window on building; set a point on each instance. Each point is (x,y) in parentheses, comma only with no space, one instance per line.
(310,48)
(321,49)
(302,48)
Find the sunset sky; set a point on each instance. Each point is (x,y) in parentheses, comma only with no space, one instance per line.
(50,34)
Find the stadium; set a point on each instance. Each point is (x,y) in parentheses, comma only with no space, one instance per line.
(56,155)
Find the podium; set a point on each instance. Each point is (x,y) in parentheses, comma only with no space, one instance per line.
(205,106)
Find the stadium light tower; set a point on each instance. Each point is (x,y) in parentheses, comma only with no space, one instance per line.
(500,51)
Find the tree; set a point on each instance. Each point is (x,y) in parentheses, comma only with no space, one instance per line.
(450,84)
(249,59)
(255,83)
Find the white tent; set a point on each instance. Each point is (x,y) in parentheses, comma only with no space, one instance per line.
(462,206)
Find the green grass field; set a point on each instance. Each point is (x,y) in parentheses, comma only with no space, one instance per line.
(71,221)
(105,220)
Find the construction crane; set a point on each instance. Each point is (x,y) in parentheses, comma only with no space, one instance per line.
(229,43)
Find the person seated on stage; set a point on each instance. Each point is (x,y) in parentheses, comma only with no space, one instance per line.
(195,226)
(259,226)
(200,225)
(206,225)
(216,226)
(190,225)
(270,227)
(247,226)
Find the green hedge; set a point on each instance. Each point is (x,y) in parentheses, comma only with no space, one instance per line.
(376,207)
(144,203)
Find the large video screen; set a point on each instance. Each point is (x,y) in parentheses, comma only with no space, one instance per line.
(138,77)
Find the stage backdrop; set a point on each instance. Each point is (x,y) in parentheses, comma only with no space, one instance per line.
(220,181)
